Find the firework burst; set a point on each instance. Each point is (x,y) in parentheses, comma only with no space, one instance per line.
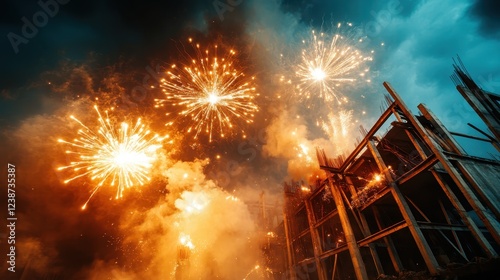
(211,92)
(327,62)
(119,157)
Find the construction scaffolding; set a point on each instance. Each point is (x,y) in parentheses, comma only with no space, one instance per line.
(412,200)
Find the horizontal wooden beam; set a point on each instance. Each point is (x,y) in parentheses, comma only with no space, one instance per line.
(326,218)
(440,226)
(422,166)
(380,194)
(454,156)
(383,233)
(300,235)
(335,251)
(470,136)
(305,261)
(330,169)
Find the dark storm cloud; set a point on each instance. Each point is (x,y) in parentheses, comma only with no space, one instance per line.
(487,11)
(319,12)
(112,28)
(418,53)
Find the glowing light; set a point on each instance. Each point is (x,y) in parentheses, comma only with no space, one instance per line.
(185,240)
(195,206)
(192,202)
(328,62)
(119,157)
(232,197)
(305,189)
(318,74)
(271,234)
(212,92)
(213,98)
(370,190)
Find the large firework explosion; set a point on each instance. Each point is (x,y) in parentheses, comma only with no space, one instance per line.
(327,62)
(121,157)
(211,91)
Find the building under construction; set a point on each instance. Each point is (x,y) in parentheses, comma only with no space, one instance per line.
(411,203)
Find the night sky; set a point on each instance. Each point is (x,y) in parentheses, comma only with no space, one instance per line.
(109,49)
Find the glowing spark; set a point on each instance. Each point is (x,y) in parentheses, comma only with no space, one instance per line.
(252,270)
(304,153)
(212,93)
(327,62)
(377,178)
(337,127)
(121,157)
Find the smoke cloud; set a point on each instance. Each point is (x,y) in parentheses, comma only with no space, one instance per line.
(199,217)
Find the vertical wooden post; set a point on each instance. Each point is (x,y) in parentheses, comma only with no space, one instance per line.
(351,187)
(455,236)
(366,232)
(393,253)
(289,249)
(357,260)
(443,132)
(315,239)
(418,236)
